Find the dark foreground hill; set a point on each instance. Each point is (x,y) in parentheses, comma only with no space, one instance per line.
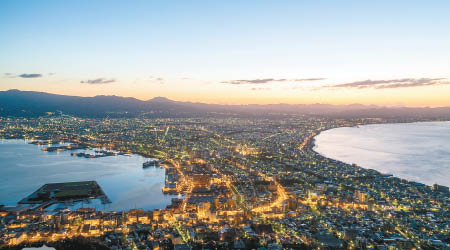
(31,104)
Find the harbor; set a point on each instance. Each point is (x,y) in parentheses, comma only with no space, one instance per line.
(28,163)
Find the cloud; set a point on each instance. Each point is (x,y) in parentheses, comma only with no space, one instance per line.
(268,80)
(99,81)
(254,81)
(309,79)
(259,89)
(30,75)
(393,83)
(159,80)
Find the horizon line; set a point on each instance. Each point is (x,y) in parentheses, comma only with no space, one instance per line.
(229,104)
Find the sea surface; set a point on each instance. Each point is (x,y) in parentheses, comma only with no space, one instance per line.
(413,151)
(25,167)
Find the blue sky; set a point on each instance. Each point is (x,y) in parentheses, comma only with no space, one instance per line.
(212,42)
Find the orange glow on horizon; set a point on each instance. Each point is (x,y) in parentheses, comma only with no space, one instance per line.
(216,93)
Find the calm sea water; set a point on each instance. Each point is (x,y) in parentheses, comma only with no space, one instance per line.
(24,168)
(414,151)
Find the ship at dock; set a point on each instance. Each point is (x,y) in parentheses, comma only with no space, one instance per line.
(151,163)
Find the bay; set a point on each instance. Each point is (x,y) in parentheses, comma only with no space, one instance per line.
(25,167)
(413,151)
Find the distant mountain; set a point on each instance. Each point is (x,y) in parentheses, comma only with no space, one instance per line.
(31,104)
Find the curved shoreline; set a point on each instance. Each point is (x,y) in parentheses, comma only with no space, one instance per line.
(314,146)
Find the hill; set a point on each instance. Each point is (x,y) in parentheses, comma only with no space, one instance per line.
(32,104)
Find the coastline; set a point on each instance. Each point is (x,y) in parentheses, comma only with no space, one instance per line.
(313,147)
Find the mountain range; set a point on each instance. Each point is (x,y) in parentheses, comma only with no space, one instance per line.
(32,104)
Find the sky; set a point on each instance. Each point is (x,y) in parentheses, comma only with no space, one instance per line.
(393,53)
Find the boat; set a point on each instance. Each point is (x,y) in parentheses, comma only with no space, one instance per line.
(151,163)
